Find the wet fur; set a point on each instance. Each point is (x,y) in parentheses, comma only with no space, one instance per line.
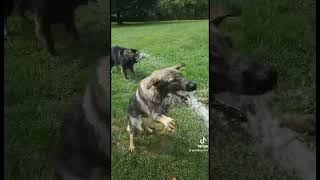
(148,98)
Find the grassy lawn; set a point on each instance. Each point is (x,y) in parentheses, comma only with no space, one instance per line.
(161,155)
(281,33)
(39,87)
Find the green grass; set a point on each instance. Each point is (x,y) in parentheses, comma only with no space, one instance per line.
(161,155)
(281,33)
(38,88)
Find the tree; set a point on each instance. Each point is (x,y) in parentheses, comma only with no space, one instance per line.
(123,10)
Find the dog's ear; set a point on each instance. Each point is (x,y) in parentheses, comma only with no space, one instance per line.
(134,50)
(153,82)
(178,66)
(217,20)
(128,53)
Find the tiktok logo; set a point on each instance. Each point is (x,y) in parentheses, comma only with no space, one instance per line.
(202,141)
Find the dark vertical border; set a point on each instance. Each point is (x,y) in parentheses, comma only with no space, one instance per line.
(316,75)
(110,85)
(210,139)
(5,175)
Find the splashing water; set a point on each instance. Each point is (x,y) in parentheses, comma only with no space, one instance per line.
(198,107)
(282,143)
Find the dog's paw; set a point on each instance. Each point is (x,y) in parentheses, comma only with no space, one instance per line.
(131,148)
(170,124)
(148,129)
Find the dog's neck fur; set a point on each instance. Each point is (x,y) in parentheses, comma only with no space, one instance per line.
(153,94)
(95,105)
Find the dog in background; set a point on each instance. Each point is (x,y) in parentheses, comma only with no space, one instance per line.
(148,98)
(47,12)
(125,58)
(84,147)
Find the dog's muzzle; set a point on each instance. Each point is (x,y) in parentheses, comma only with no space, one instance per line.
(191,86)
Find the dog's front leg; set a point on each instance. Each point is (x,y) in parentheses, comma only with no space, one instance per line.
(131,143)
(132,70)
(167,122)
(124,72)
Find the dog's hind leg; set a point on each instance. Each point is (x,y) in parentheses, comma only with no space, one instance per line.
(135,125)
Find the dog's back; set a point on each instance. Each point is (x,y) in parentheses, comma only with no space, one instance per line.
(117,56)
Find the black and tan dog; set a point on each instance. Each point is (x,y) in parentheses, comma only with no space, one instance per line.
(125,58)
(84,147)
(47,12)
(147,100)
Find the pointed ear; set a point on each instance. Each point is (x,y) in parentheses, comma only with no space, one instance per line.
(127,53)
(153,82)
(178,66)
(217,20)
(134,50)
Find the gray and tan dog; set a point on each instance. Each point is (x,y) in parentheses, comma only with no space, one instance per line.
(84,147)
(148,98)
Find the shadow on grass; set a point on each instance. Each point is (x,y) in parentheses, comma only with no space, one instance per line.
(136,78)
(169,145)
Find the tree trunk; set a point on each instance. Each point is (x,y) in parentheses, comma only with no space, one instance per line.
(119,20)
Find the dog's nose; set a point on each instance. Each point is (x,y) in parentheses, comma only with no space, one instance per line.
(191,86)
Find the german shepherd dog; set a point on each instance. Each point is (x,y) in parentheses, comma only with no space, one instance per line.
(84,147)
(47,12)
(125,58)
(148,98)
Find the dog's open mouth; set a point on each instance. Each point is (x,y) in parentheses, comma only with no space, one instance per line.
(183,95)
(141,55)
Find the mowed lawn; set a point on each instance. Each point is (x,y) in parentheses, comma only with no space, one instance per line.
(281,33)
(38,88)
(161,155)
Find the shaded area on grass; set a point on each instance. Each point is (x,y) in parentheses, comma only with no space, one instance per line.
(39,88)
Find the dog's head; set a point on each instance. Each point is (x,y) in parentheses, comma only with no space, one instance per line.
(170,80)
(233,72)
(132,55)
